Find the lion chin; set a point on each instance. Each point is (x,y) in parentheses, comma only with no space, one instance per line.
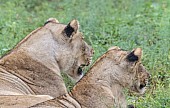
(139,88)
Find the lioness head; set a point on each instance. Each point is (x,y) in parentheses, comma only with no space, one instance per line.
(73,53)
(133,74)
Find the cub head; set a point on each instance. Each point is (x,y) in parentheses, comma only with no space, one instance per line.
(132,73)
(141,77)
(72,52)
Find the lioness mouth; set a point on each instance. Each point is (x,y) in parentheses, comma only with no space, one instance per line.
(79,71)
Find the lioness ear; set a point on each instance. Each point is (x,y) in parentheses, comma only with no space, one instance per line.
(54,20)
(135,55)
(71,28)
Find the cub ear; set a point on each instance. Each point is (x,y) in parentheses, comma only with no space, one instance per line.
(71,28)
(54,20)
(135,55)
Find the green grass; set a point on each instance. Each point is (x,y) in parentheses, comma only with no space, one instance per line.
(105,23)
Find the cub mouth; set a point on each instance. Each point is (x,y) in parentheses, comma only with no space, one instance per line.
(139,88)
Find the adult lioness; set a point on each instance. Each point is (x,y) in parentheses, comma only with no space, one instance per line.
(34,65)
(102,86)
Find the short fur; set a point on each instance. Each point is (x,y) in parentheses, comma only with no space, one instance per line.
(102,86)
(35,64)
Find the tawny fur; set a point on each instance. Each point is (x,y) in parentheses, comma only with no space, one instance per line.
(35,64)
(22,101)
(102,86)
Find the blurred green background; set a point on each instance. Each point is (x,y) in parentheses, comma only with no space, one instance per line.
(105,23)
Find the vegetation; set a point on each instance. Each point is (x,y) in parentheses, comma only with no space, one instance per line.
(105,23)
